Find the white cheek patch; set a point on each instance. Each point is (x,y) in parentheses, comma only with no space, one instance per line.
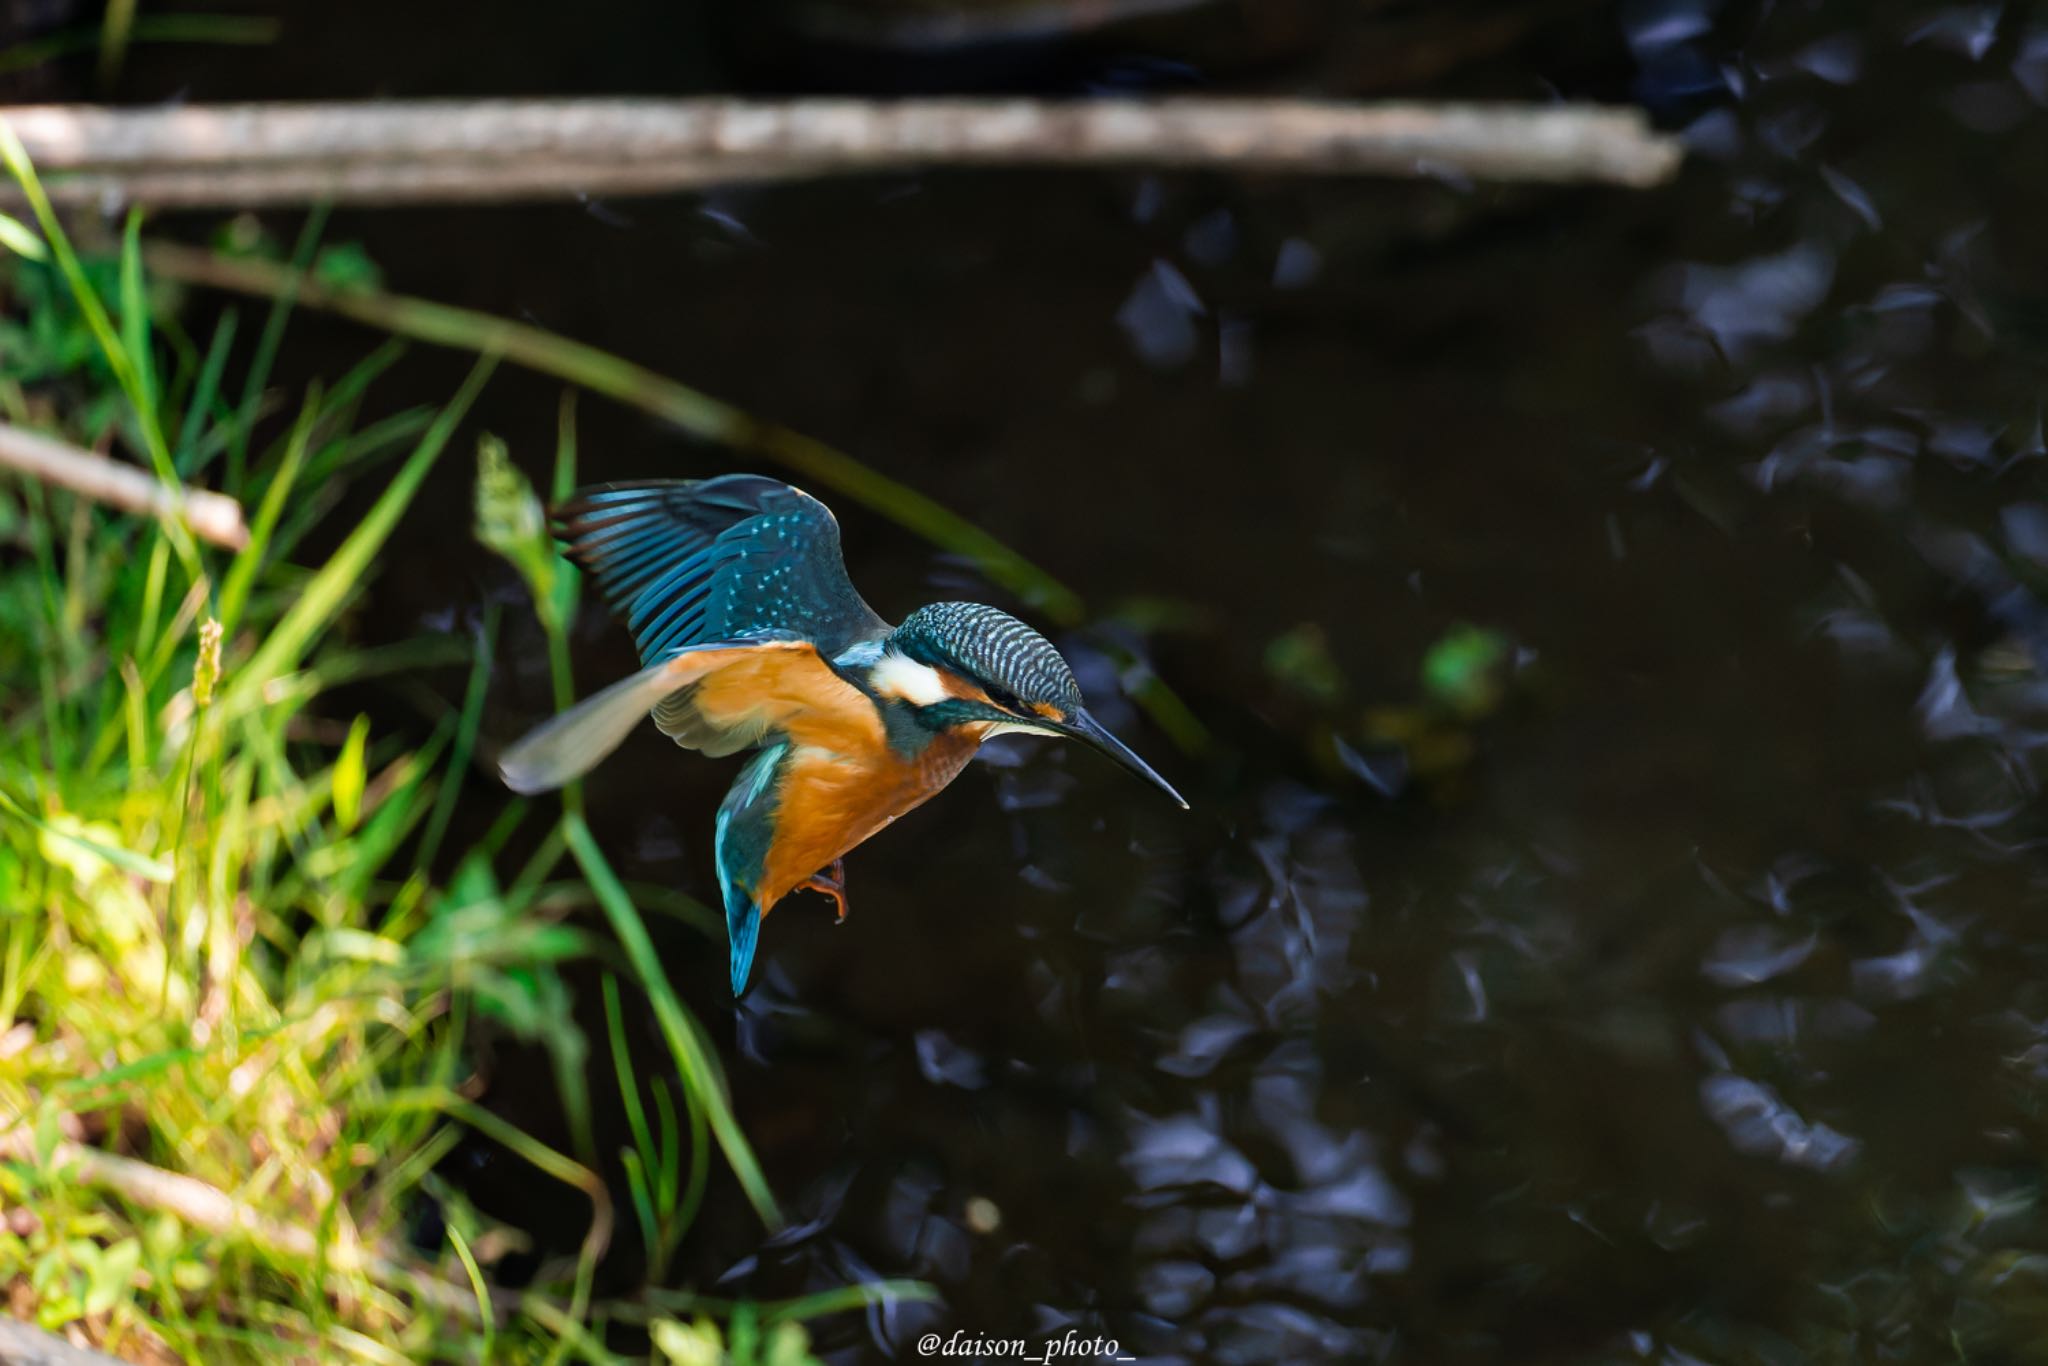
(902,677)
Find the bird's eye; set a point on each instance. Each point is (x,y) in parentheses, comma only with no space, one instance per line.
(1005,699)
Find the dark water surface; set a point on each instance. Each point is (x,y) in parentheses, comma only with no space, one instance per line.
(1687,1005)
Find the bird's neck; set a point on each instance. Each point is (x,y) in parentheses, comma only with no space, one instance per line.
(918,702)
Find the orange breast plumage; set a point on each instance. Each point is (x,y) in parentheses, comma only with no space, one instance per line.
(831,801)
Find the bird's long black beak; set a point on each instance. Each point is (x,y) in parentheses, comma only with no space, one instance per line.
(1086,727)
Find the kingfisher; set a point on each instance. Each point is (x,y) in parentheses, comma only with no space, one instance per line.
(752,638)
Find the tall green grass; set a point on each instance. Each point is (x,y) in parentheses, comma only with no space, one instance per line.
(235,997)
(511,521)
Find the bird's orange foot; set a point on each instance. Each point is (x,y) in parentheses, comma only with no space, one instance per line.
(832,884)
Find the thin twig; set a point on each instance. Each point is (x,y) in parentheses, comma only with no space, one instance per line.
(427,151)
(213,517)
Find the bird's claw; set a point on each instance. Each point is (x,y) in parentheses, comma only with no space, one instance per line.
(832,884)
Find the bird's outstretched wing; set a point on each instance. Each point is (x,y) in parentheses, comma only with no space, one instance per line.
(684,561)
(720,697)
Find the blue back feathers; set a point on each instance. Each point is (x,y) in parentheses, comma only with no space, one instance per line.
(686,561)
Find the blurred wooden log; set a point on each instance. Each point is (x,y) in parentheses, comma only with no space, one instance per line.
(495,150)
(24,1344)
(213,517)
(209,1209)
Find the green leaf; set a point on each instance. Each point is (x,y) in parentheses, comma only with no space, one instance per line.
(19,238)
(695,1344)
(350,774)
(345,265)
(48,1133)
(109,1282)
(342,941)
(787,1344)
(127,860)
(1462,670)
(1300,660)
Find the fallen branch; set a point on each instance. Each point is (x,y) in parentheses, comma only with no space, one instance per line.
(211,1210)
(426,151)
(24,1344)
(213,517)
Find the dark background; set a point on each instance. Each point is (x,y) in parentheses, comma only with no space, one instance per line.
(1681,1002)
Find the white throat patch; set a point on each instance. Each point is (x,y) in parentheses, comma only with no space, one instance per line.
(902,677)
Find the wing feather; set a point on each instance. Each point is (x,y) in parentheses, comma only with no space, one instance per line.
(687,561)
(720,697)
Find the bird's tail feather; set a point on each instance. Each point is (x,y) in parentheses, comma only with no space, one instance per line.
(569,746)
(743,930)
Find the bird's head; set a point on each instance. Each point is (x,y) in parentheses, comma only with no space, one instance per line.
(959,664)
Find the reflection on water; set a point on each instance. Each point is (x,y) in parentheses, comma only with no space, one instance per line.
(1675,995)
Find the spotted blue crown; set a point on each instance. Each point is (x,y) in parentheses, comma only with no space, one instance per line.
(991,647)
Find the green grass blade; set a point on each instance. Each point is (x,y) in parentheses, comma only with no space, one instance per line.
(475,1274)
(273,337)
(323,596)
(116,30)
(622,1063)
(205,392)
(699,1070)
(642,1197)
(19,238)
(669,1157)
(234,593)
(604,373)
(127,860)
(224,29)
(356,454)
(345,392)
(837,1301)
(565,447)
(465,741)
(135,314)
(515,1140)
(15,157)
(540,1156)
(846,1298)
(152,599)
